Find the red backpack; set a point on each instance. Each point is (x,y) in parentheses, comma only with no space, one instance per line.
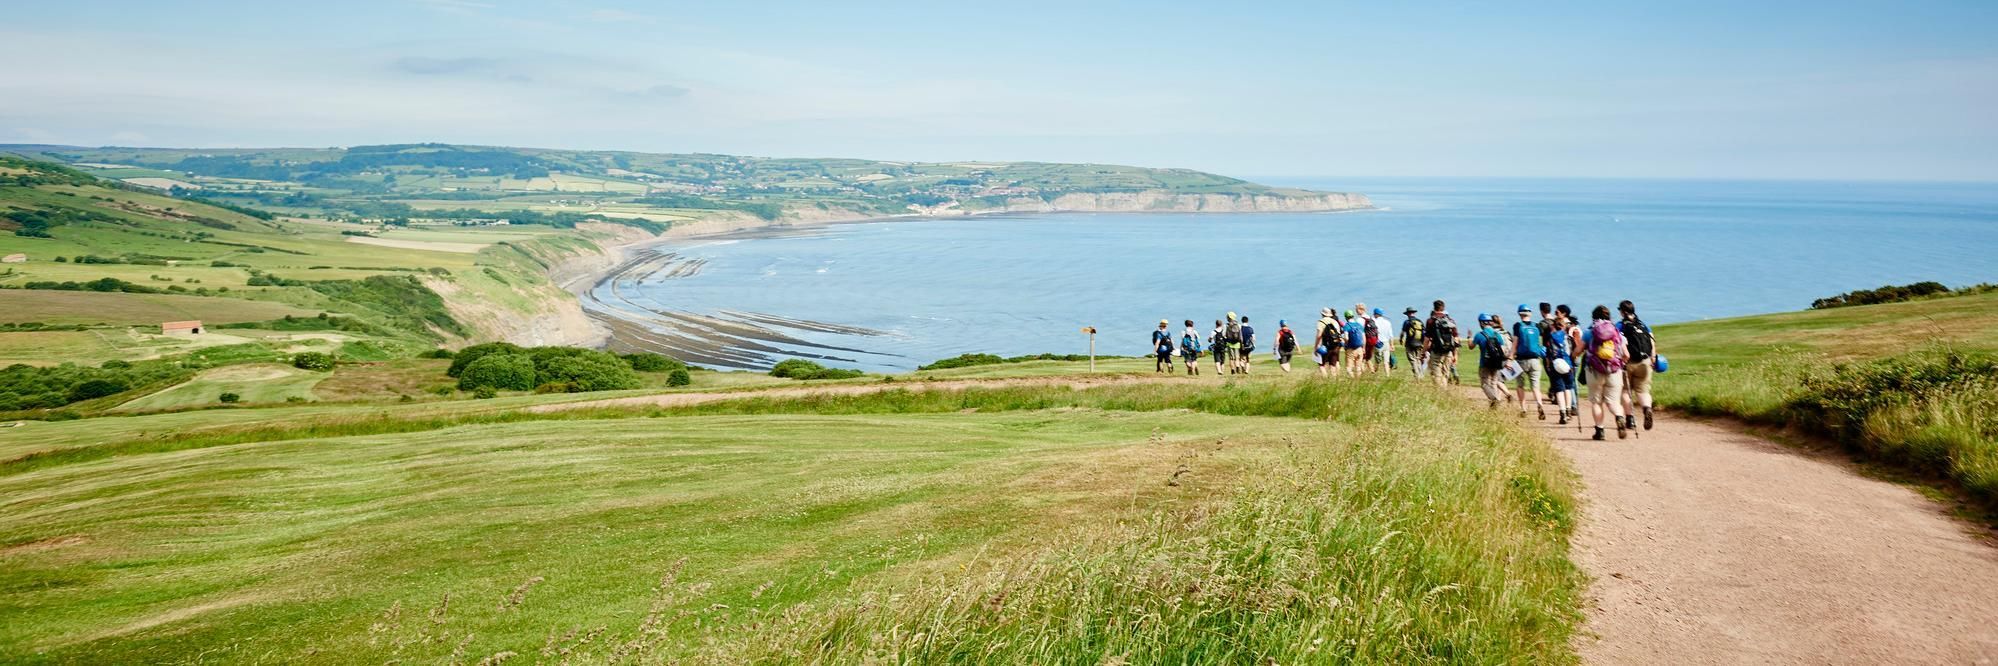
(1605,353)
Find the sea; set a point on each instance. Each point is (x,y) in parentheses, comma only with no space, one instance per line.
(889,296)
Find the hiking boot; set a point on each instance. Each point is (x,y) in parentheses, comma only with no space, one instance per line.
(1599,434)
(1564,419)
(1543,413)
(1647,418)
(1630,421)
(1621,433)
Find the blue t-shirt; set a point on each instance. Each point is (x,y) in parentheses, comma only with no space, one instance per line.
(1356,334)
(1248,336)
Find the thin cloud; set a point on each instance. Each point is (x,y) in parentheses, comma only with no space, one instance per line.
(428,66)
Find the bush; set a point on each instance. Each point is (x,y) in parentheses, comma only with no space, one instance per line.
(679,377)
(584,370)
(1934,412)
(647,362)
(466,356)
(316,361)
(512,372)
(114,365)
(96,388)
(437,353)
(799,368)
(484,392)
(1886,294)
(963,361)
(229,398)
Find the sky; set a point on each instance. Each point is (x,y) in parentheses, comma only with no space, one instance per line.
(1686,89)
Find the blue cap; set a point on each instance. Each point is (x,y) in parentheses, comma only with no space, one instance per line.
(1484,316)
(1279,322)
(1378,311)
(1523,308)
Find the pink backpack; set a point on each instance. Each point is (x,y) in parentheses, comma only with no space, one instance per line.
(1605,353)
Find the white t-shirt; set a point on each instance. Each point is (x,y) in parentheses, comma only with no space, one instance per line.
(1381,322)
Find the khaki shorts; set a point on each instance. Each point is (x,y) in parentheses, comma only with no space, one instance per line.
(1637,378)
(1606,388)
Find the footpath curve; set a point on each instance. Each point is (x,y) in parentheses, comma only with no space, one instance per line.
(1708,545)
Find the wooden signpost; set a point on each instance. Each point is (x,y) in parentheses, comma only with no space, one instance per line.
(1091,330)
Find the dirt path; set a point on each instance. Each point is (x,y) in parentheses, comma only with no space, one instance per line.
(1711,546)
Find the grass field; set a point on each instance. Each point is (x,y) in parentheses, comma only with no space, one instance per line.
(1190,521)
(253,383)
(89,307)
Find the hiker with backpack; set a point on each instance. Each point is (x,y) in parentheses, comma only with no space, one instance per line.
(1574,347)
(1378,341)
(1286,345)
(1546,326)
(1325,319)
(1231,344)
(1189,348)
(1604,356)
(1560,361)
(1493,353)
(1217,347)
(1411,343)
(1637,373)
(1331,344)
(1248,346)
(1439,335)
(1356,341)
(1528,350)
(1162,347)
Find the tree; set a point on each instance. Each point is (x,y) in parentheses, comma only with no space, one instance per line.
(229,398)
(316,361)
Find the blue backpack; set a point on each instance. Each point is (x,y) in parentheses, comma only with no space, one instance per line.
(1189,345)
(1529,340)
(1557,341)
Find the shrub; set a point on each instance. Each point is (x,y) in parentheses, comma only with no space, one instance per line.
(648,362)
(512,372)
(484,392)
(799,368)
(229,398)
(466,356)
(1935,412)
(679,377)
(316,361)
(1886,294)
(584,370)
(114,364)
(963,361)
(437,353)
(96,388)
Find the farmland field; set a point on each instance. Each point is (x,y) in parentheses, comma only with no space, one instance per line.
(89,307)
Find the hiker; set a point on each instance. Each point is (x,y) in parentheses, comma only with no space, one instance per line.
(1286,345)
(1331,345)
(1411,343)
(1560,361)
(1637,373)
(1324,319)
(1604,355)
(1546,326)
(1356,341)
(1248,345)
(1439,334)
(1162,347)
(1377,340)
(1528,349)
(1189,348)
(1217,347)
(1231,338)
(1493,352)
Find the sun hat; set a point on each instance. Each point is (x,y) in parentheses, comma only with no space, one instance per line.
(1163,322)
(1324,312)
(1409,311)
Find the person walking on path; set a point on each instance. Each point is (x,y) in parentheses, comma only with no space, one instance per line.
(1248,346)
(1528,349)
(1217,346)
(1231,338)
(1546,326)
(1493,352)
(1604,354)
(1637,372)
(1560,361)
(1331,345)
(1286,345)
(1162,347)
(1383,352)
(1189,348)
(1325,319)
(1439,336)
(1356,340)
(1411,343)
(1574,340)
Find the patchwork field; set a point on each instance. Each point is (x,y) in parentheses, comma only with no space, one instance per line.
(86,307)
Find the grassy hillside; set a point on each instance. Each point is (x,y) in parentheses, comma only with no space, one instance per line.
(563,187)
(1908,384)
(1284,518)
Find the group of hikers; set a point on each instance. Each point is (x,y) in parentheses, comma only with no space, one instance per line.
(1613,355)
